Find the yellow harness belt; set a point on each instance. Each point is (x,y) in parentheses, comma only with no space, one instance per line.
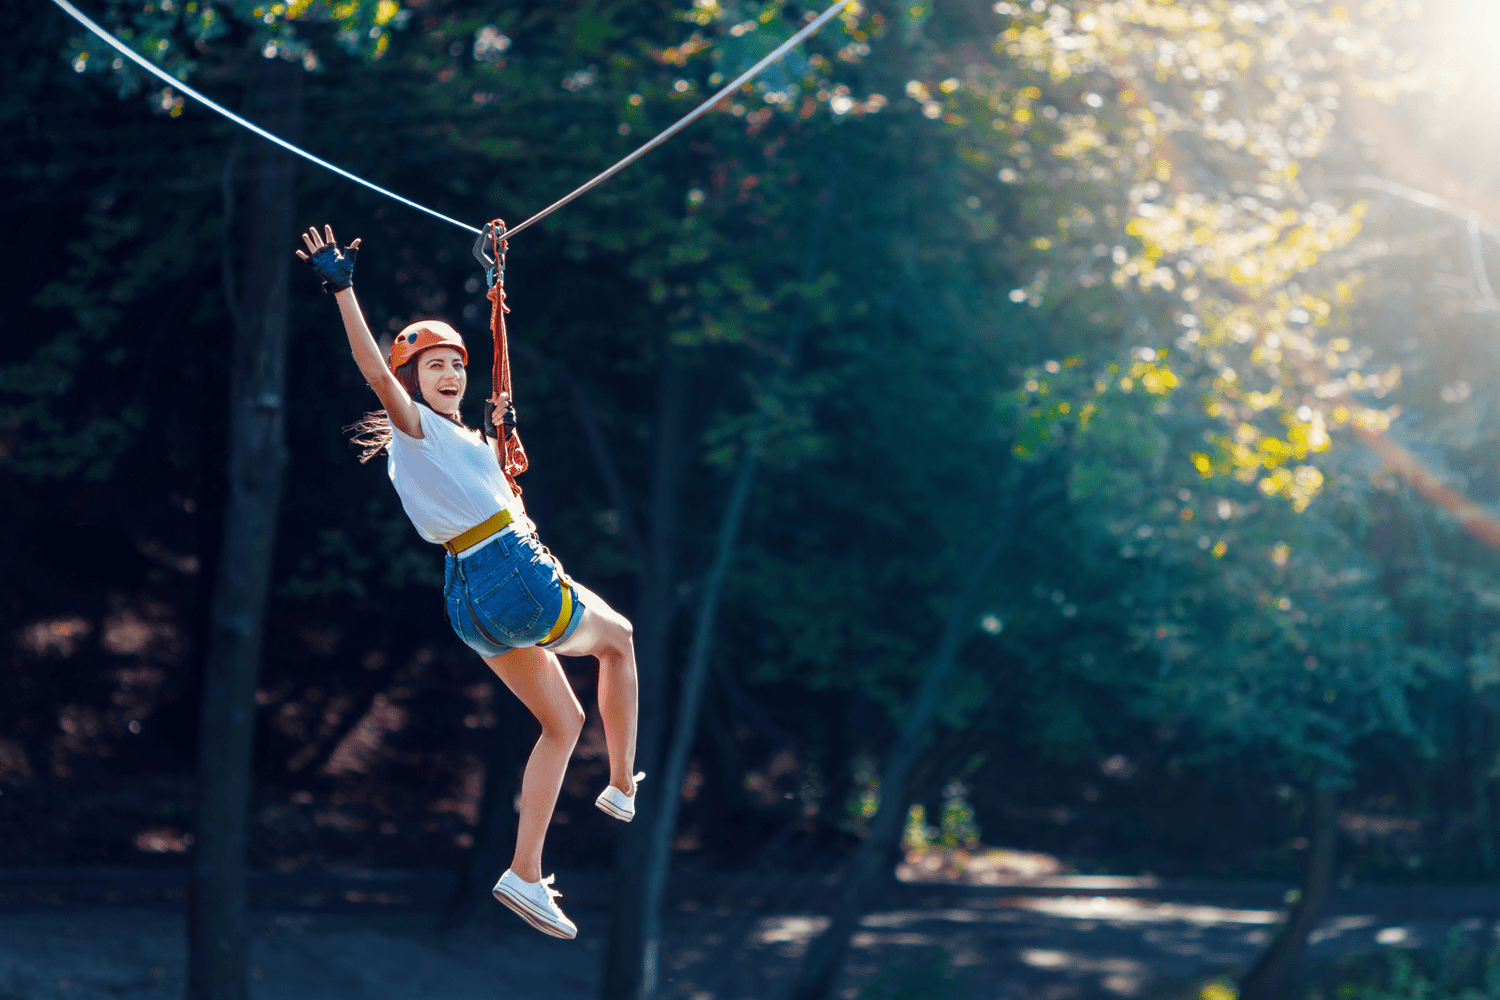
(494,526)
(564,615)
(478,533)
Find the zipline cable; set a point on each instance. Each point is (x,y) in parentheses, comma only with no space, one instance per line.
(691,117)
(172,81)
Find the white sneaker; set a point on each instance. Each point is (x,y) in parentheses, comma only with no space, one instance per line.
(617,803)
(532,901)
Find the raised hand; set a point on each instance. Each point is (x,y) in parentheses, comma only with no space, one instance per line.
(334,266)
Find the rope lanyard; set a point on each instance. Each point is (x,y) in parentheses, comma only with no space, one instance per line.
(692,116)
(508,448)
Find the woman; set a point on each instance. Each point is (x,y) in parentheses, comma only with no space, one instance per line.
(507,598)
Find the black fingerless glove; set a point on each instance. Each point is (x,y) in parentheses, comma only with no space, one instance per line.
(334,267)
(507,420)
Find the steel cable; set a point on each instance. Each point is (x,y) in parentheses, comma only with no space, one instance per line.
(692,116)
(172,81)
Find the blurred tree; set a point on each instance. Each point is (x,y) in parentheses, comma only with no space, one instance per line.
(1137,582)
(1196,123)
(171,33)
(218,895)
(820,968)
(1220,243)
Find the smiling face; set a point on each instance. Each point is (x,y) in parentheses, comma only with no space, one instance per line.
(441,376)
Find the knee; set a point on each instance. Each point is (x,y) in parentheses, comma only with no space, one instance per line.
(622,636)
(567,725)
(618,657)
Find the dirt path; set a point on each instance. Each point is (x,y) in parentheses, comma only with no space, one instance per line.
(118,934)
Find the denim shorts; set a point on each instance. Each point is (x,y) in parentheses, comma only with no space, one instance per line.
(507,595)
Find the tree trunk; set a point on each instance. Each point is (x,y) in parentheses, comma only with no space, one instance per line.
(663,825)
(496,833)
(825,957)
(624,956)
(1269,977)
(212,360)
(217,936)
(731,804)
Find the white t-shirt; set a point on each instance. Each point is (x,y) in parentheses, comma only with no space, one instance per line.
(449,479)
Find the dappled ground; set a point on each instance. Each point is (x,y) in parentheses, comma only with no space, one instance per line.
(993,926)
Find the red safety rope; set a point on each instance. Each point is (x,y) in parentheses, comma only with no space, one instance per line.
(508,447)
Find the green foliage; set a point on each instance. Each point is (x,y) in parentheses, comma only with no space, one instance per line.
(1463,970)
(176,34)
(1006,302)
(1406,980)
(957,828)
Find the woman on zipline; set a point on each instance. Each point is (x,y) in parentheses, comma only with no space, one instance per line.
(507,597)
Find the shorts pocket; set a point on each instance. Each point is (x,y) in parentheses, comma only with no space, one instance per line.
(507,606)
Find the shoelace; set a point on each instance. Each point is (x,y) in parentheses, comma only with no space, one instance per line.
(546,883)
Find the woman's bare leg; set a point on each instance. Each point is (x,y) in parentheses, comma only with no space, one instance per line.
(538,680)
(606,634)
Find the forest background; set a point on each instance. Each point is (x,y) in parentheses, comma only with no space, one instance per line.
(1049,363)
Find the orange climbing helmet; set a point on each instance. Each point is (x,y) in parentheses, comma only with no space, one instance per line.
(420,336)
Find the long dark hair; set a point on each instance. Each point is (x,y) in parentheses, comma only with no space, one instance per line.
(372,432)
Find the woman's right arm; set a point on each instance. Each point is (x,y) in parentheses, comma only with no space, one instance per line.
(398,404)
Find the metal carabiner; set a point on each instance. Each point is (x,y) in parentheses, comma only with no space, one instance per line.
(494,267)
